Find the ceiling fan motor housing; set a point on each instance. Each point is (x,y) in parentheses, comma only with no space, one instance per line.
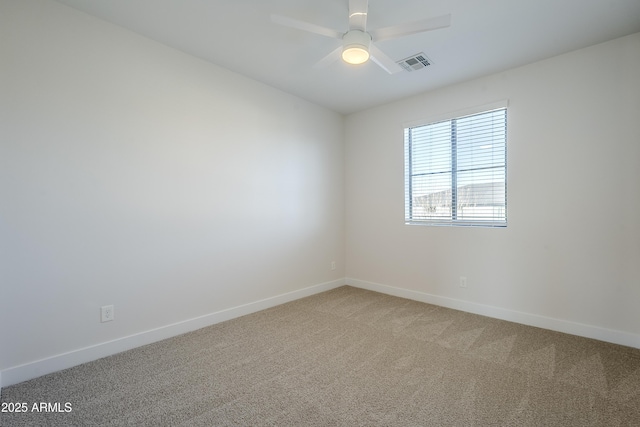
(355,46)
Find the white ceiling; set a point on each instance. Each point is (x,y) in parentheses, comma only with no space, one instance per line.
(485,36)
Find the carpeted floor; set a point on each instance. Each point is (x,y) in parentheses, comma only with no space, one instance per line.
(348,357)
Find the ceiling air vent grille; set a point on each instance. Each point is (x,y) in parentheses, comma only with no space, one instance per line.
(415,62)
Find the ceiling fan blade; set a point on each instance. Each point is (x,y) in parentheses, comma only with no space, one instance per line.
(329,59)
(383,61)
(421,26)
(358,10)
(305,26)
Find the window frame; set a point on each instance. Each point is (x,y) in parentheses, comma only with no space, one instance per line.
(452,221)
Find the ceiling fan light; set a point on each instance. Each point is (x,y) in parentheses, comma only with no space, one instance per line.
(355,55)
(356,47)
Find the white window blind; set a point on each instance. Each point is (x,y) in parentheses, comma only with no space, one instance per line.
(456,169)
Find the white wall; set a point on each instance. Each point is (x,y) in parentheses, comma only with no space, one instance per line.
(132,174)
(570,256)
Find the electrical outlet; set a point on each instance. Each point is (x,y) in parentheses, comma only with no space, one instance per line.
(333,265)
(107,313)
(463,282)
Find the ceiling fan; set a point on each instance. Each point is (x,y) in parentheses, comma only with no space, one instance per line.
(358,43)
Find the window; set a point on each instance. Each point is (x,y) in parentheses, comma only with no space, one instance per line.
(456,169)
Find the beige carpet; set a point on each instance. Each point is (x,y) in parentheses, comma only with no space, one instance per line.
(349,357)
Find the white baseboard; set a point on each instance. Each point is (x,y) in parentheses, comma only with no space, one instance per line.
(559,325)
(27,371)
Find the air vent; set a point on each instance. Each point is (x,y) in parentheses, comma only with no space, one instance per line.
(415,62)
